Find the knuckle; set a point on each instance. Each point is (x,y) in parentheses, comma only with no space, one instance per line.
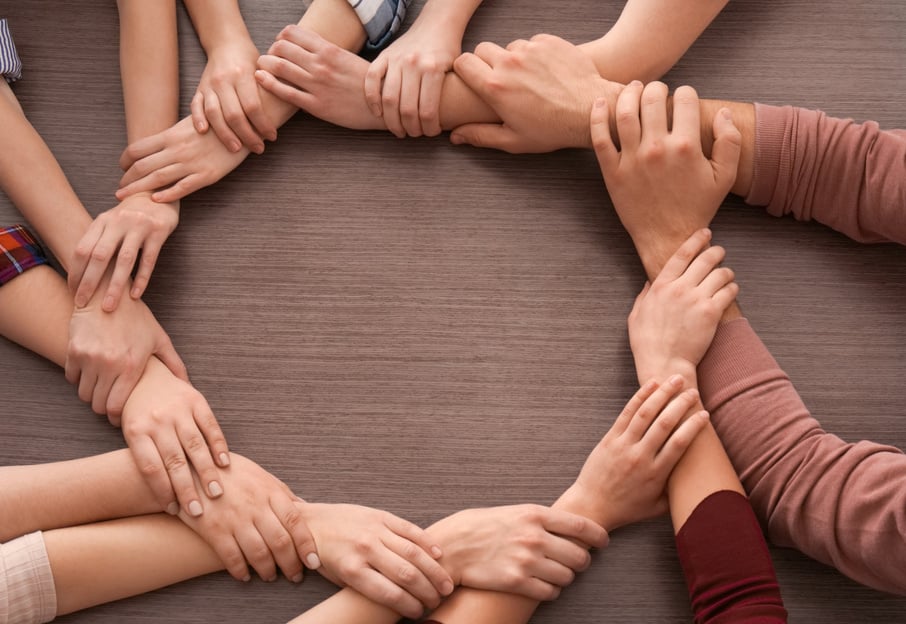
(406,574)
(175,462)
(363,546)
(282,542)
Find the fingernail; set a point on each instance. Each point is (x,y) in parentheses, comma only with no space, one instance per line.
(215,489)
(635,83)
(234,146)
(259,149)
(436,551)
(80,302)
(173,509)
(246,578)
(224,459)
(272,136)
(135,293)
(271,579)
(312,561)
(199,126)
(447,588)
(195,509)
(456,139)
(259,75)
(600,102)
(108,302)
(675,380)
(297,578)
(726,114)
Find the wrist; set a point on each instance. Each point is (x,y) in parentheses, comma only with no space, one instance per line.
(662,369)
(453,541)
(583,501)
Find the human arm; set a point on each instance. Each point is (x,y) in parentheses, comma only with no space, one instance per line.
(179,161)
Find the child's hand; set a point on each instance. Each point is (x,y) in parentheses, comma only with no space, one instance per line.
(624,478)
(136,224)
(528,550)
(227,99)
(256,520)
(674,319)
(385,558)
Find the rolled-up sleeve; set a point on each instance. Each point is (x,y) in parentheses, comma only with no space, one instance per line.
(10,65)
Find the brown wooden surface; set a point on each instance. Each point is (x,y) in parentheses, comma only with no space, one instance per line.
(423,328)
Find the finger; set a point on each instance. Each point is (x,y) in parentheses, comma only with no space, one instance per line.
(677,264)
(288,58)
(632,406)
(726,295)
(390,101)
(490,53)
(197,107)
(292,521)
(159,178)
(429,102)
(177,467)
(230,553)
(652,406)
(87,381)
(256,552)
(101,392)
(378,588)
(213,110)
(296,97)
(234,116)
(654,111)
(97,266)
(703,264)
(680,441)
(726,148)
(495,136)
(199,455)
(667,420)
(410,89)
(121,389)
(149,463)
(281,546)
(303,37)
(250,99)
(213,434)
(125,260)
(141,149)
(535,589)
(183,187)
(167,354)
(553,572)
(147,166)
(575,527)
(716,280)
(413,533)
(629,126)
(476,73)
(516,45)
(687,116)
(82,254)
(374,79)
(150,253)
(410,567)
(72,371)
(605,150)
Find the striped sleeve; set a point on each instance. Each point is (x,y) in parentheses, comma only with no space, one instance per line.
(381,18)
(10,65)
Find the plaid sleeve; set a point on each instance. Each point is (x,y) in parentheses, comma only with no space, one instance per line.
(10,65)
(381,19)
(19,252)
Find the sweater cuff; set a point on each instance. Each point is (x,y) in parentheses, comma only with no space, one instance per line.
(772,162)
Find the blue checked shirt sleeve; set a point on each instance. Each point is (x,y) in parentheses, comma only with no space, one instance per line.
(10,65)
(381,18)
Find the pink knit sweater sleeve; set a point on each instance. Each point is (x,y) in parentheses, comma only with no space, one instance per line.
(850,177)
(841,503)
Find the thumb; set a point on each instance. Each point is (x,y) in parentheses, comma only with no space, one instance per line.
(167,354)
(496,136)
(726,149)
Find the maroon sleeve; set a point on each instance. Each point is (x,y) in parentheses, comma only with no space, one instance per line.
(726,563)
(850,177)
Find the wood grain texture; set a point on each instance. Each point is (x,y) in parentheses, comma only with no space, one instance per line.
(423,328)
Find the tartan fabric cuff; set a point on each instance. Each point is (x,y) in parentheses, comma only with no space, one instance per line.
(19,252)
(381,18)
(10,65)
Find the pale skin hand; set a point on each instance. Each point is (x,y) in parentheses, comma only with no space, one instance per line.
(382,556)
(529,550)
(661,183)
(168,425)
(257,521)
(137,224)
(542,90)
(675,317)
(108,351)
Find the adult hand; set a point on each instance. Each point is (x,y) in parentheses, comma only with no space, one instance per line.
(385,558)
(542,89)
(662,185)
(404,82)
(528,550)
(168,426)
(311,73)
(108,351)
(179,158)
(257,520)
(674,319)
(136,224)
(624,478)
(228,101)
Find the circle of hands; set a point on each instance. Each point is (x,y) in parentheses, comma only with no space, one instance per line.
(248,516)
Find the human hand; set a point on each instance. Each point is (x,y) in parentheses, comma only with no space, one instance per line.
(178,156)
(404,83)
(257,521)
(321,78)
(385,558)
(137,223)
(168,425)
(228,101)
(108,351)
(662,185)
(542,89)
(624,478)
(529,550)
(675,317)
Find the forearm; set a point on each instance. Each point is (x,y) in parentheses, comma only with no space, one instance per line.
(98,563)
(650,37)
(347,607)
(149,66)
(33,180)
(35,309)
(62,494)
(217,23)
(452,16)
